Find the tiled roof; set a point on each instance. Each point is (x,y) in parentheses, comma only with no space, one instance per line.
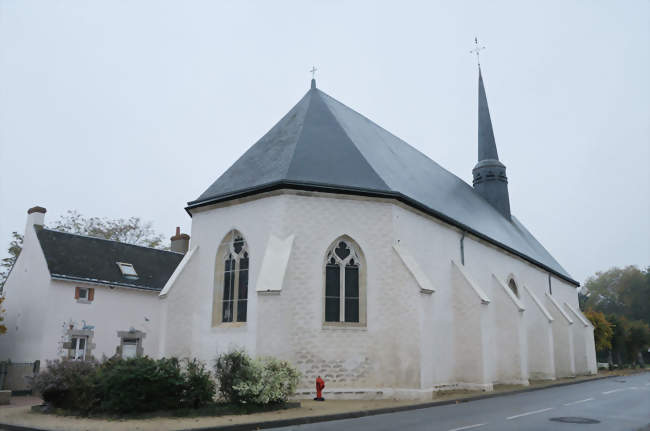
(94,260)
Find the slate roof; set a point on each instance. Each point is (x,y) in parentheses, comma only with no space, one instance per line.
(323,145)
(86,259)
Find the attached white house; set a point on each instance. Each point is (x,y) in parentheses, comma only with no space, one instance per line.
(335,245)
(73,296)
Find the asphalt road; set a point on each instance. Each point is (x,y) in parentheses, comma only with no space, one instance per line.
(619,403)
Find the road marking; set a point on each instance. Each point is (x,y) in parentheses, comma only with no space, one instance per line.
(467,427)
(578,402)
(529,413)
(614,390)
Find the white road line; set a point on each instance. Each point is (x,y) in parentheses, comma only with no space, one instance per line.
(578,402)
(529,413)
(614,390)
(467,427)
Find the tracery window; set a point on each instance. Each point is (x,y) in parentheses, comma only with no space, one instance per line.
(344,293)
(231,282)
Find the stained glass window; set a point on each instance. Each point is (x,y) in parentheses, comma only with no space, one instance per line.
(342,294)
(234,290)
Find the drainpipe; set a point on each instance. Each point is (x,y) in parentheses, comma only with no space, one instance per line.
(462,249)
(550,288)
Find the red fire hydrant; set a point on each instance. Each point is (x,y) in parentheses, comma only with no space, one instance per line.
(320,385)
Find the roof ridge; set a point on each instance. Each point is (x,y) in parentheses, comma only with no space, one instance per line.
(301,128)
(379,126)
(109,240)
(349,137)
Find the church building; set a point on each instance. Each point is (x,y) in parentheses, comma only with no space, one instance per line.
(335,245)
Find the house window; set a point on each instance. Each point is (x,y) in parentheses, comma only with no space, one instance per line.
(344,287)
(129,348)
(78,348)
(128,271)
(513,286)
(84,294)
(130,343)
(231,281)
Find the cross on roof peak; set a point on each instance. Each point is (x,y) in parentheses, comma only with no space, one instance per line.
(313,76)
(477,50)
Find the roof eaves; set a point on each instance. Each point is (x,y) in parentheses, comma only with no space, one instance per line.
(329,188)
(63,277)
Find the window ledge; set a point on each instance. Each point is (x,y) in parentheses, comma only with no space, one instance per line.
(344,326)
(230,325)
(83,301)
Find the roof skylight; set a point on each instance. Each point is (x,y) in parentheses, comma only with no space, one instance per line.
(127,269)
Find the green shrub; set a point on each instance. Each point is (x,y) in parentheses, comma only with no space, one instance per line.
(230,370)
(199,386)
(255,381)
(125,385)
(140,384)
(68,384)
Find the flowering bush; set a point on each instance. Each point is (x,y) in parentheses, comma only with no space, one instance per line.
(255,381)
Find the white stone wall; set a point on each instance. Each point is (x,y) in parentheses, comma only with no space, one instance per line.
(563,340)
(414,342)
(112,310)
(539,333)
(25,291)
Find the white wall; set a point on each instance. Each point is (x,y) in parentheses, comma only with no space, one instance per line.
(112,310)
(539,334)
(413,342)
(25,290)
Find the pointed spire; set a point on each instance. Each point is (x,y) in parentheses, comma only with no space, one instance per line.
(487,147)
(490,179)
(313,83)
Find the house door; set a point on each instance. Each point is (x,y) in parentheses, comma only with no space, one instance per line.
(78,348)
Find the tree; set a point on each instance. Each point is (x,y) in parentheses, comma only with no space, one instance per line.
(637,339)
(619,335)
(624,292)
(15,245)
(603,330)
(3,328)
(131,231)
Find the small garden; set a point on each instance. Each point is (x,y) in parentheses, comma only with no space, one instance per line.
(238,384)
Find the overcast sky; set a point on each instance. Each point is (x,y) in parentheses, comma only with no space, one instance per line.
(133,108)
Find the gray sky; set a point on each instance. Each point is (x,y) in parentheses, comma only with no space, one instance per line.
(133,108)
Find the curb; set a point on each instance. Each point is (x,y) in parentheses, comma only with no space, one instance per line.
(349,415)
(362,413)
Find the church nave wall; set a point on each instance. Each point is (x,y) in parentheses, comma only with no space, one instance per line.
(382,354)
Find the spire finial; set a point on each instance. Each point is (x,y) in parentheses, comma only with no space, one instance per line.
(477,50)
(313,76)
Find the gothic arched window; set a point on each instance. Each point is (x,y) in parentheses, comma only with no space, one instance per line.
(344,287)
(231,280)
(513,286)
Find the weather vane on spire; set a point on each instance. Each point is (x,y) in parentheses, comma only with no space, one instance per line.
(477,50)
(313,72)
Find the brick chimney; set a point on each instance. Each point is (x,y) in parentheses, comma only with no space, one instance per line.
(180,242)
(35,216)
